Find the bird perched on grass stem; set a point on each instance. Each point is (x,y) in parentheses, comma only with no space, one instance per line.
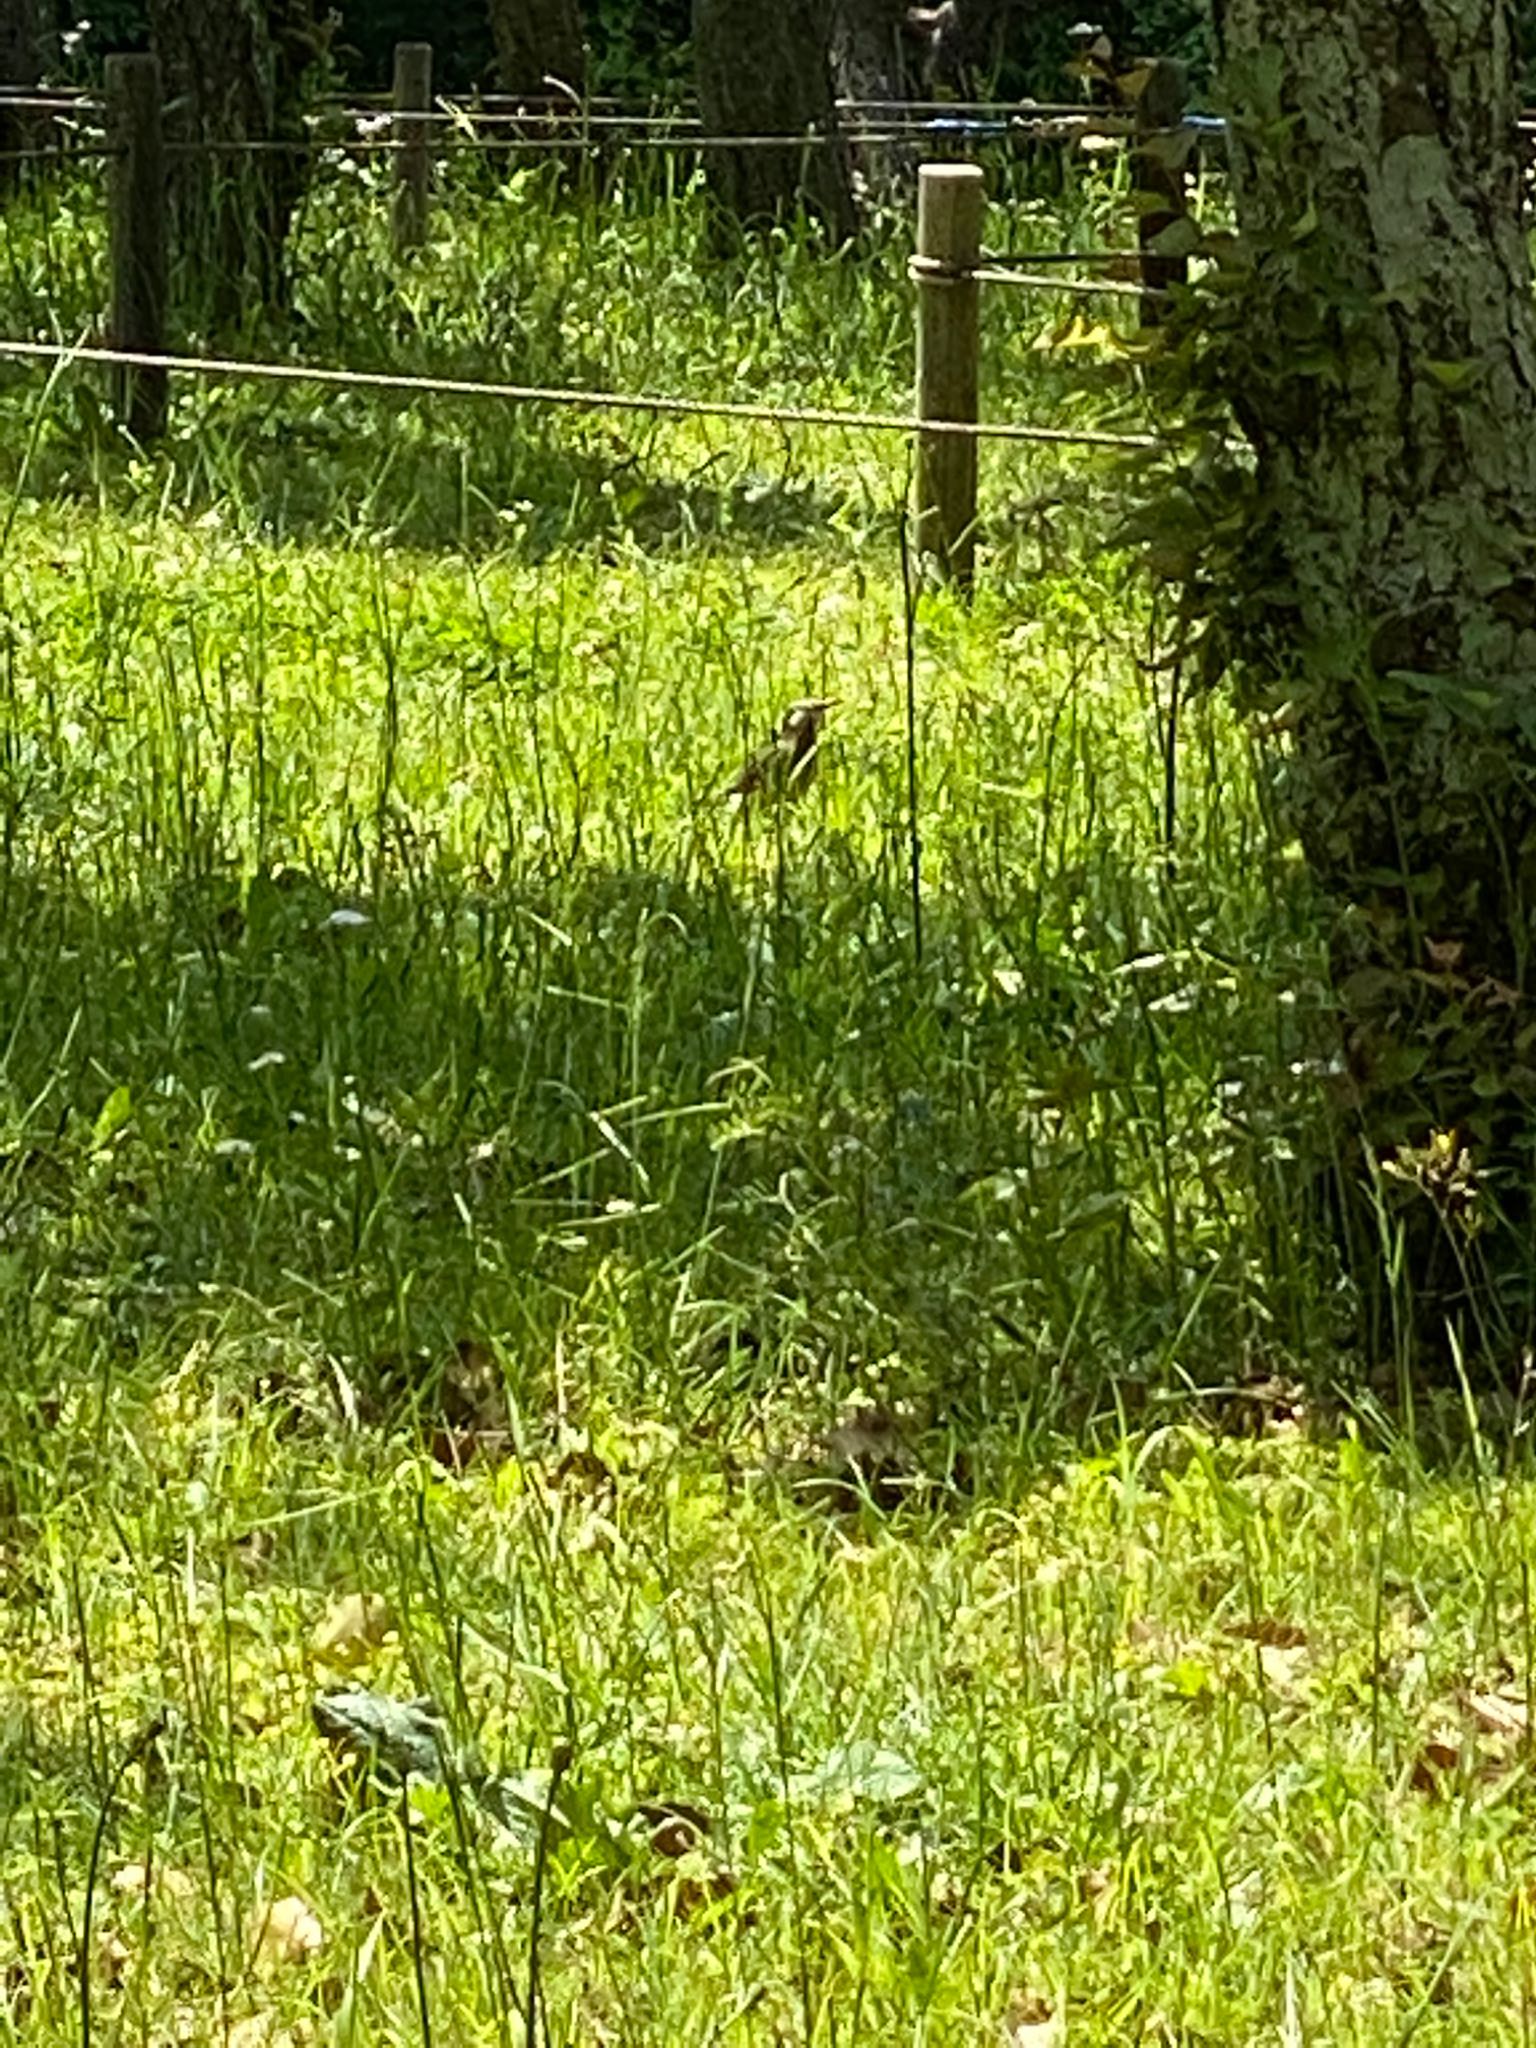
(784,767)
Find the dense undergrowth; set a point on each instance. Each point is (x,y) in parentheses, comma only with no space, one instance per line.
(763,1328)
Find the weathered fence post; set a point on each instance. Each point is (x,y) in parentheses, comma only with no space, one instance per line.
(1160,156)
(413,160)
(138,239)
(950,201)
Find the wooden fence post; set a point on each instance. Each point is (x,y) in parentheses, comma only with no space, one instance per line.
(136,187)
(950,201)
(1162,187)
(413,160)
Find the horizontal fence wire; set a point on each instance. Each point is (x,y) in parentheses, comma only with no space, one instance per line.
(1079,287)
(664,406)
(42,103)
(455,114)
(512,145)
(1011,259)
(319,146)
(555,105)
(87,153)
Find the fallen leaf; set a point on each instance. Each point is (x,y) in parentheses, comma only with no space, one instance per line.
(352,1630)
(263,2030)
(581,1469)
(1496,1713)
(1282,1668)
(1100,1892)
(135,1879)
(113,1958)
(287,1932)
(676,1827)
(1031,2022)
(473,1394)
(1432,1762)
(690,1893)
(456,1449)
(1268,1633)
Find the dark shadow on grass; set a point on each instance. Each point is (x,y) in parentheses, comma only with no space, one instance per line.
(436,481)
(367,1125)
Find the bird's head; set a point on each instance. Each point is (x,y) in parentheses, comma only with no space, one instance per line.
(805,715)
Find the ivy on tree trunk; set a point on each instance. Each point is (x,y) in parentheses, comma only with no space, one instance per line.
(1383,594)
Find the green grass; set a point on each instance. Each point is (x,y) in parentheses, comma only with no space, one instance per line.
(388,985)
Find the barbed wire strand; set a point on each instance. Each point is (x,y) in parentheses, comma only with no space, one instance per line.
(665,406)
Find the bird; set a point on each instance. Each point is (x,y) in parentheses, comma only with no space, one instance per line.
(784,767)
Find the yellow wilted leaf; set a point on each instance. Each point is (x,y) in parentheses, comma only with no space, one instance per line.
(287,1932)
(353,1629)
(1079,333)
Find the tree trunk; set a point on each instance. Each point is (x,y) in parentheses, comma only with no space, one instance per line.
(964,42)
(539,46)
(1384,370)
(29,44)
(763,70)
(875,62)
(236,72)
(872,51)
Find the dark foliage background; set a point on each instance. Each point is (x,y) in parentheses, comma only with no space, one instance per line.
(640,46)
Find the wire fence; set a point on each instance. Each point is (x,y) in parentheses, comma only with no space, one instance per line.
(574,142)
(662,405)
(418,135)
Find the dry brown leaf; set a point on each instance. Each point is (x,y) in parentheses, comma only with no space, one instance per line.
(1268,1633)
(1100,1891)
(676,1826)
(580,1469)
(1032,2022)
(164,1880)
(1438,1756)
(113,1960)
(1282,1668)
(692,1892)
(287,1932)
(474,1396)
(1497,1713)
(351,1631)
(263,2030)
